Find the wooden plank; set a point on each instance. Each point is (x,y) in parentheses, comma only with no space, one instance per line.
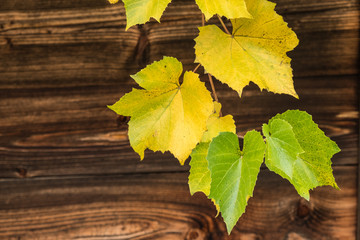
(29,5)
(66,169)
(66,47)
(159,206)
(69,130)
(296,5)
(61,44)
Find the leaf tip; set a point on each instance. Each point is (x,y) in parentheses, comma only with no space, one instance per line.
(181,157)
(229,228)
(110,107)
(336,186)
(306,196)
(113,108)
(129,25)
(182,162)
(295,95)
(239,92)
(138,149)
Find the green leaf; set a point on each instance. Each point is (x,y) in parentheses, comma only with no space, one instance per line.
(199,178)
(282,148)
(234,173)
(226,8)
(140,11)
(166,116)
(310,167)
(256,50)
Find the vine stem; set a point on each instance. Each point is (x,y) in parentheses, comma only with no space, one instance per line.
(209,75)
(214,91)
(196,68)
(223,24)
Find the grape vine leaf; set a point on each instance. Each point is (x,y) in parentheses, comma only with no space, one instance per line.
(227,8)
(282,147)
(310,163)
(140,11)
(234,172)
(166,116)
(256,50)
(199,177)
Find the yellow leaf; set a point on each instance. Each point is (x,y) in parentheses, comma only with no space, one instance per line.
(217,124)
(256,50)
(166,116)
(226,8)
(140,11)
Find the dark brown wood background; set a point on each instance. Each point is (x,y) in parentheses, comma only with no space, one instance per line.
(66,168)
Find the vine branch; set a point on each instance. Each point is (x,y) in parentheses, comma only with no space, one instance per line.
(223,24)
(196,68)
(209,75)
(213,90)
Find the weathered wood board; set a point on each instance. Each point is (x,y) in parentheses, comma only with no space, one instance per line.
(158,206)
(67,170)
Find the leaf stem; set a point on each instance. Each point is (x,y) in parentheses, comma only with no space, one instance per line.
(196,68)
(209,75)
(214,91)
(223,24)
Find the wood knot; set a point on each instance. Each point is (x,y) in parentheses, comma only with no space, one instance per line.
(22,172)
(9,42)
(303,209)
(195,234)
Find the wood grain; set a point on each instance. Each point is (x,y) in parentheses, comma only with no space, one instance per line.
(159,206)
(69,131)
(69,45)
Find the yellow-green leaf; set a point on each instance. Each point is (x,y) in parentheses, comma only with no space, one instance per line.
(256,50)
(140,11)
(227,8)
(199,178)
(166,116)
